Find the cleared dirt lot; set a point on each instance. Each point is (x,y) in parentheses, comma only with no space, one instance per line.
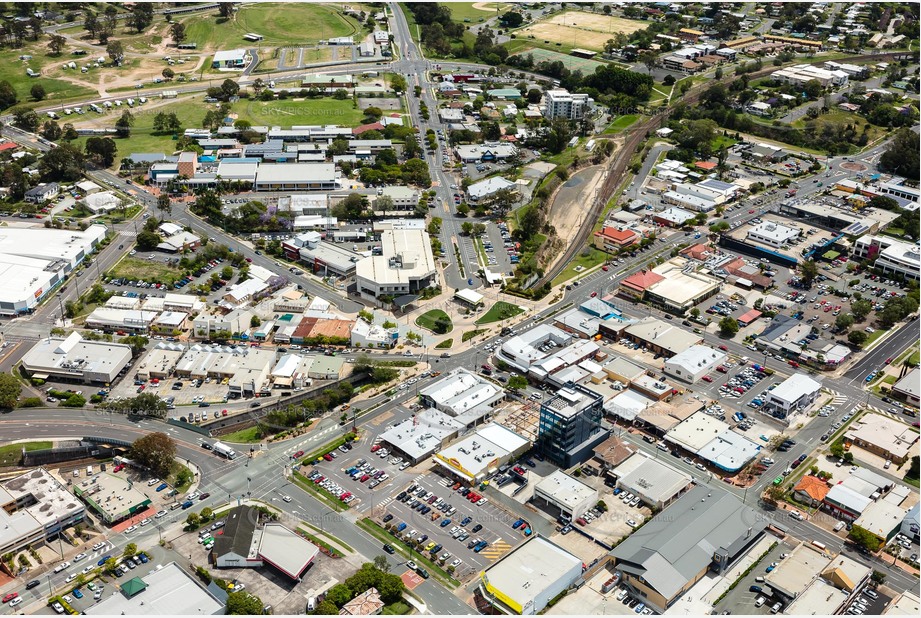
(586,30)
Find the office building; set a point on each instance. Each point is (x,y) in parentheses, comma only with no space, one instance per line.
(570,425)
(794,394)
(695,362)
(75,359)
(34,507)
(891,255)
(568,496)
(405,266)
(526,579)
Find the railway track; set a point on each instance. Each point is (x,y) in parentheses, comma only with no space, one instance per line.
(638,134)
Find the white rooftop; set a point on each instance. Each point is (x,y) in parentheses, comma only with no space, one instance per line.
(170,592)
(566,489)
(653,477)
(794,387)
(527,571)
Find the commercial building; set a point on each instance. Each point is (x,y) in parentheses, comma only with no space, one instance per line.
(706,530)
(406,265)
(613,239)
(891,255)
(532,345)
(76,359)
(570,425)
(286,551)
(883,436)
(801,74)
(296,177)
(571,497)
(42,193)
(487,188)
(321,257)
(481,453)
(231,59)
(695,362)
(773,234)
(160,361)
(674,286)
(463,395)
(421,435)
(907,389)
(35,507)
(527,578)
(112,497)
(811,490)
(98,203)
(247,369)
(660,336)
(911,523)
(652,480)
(883,517)
(907,604)
(673,217)
(127,320)
(165,591)
(794,394)
(472,153)
(367,335)
(560,103)
(34,262)
(404,198)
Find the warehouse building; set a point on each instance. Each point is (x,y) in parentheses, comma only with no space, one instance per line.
(567,495)
(695,362)
(463,395)
(421,435)
(526,579)
(660,336)
(703,531)
(75,359)
(34,507)
(296,177)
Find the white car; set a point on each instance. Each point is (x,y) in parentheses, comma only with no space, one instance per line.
(15,601)
(79,557)
(87,570)
(631,523)
(160,514)
(130,529)
(70,578)
(456,563)
(98,546)
(287,498)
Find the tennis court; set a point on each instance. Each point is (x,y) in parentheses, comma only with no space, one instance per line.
(572,63)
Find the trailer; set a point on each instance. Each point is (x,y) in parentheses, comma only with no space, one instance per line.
(225,451)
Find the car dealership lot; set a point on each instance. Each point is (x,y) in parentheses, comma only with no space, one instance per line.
(496,524)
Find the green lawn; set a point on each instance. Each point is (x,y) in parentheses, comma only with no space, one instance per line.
(620,123)
(288,113)
(174,473)
(11,454)
(470,334)
(837,117)
(500,311)
(873,337)
(410,21)
(243,436)
(722,141)
(13,70)
(593,258)
(279,23)
(444,345)
(429,318)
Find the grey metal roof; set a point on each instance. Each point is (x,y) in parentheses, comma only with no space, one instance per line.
(674,547)
(237,535)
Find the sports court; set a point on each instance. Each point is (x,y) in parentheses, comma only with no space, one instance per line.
(572,63)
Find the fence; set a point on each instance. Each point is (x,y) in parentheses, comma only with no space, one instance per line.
(91,447)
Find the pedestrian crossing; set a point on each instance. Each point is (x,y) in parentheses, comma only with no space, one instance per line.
(839,399)
(496,549)
(128,233)
(883,412)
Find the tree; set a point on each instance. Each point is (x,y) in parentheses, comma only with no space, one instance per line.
(243,603)
(8,96)
(351,208)
(142,14)
(857,337)
(26,119)
(148,241)
(229,88)
(864,538)
(809,270)
(56,44)
(381,563)
(225,9)
(168,74)
(512,19)
(517,382)
(156,451)
(325,608)
(339,595)
(90,22)
(878,577)
(902,156)
(164,204)
(51,130)
(398,83)
(10,388)
(177,32)
(111,565)
(130,550)
(462,209)
(384,203)
(103,150)
(193,519)
(116,51)
(861,309)
(729,326)
(844,321)
(62,163)
(137,343)
(123,124)
(38,92)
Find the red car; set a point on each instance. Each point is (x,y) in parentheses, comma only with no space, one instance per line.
(250,260)
(345,495)
(707,379)
(118,468)
(605,268)
(793,364)
(751,212)
(594,294)
(223,412)
(10,597)
(722,369)
(724,348)
(328,457)
(365,477)
(888,360)
(375,448)
(319,479)
(297,454)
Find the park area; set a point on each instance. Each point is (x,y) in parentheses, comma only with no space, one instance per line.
(573,63)
(581,29)
(500,311)
(436,321)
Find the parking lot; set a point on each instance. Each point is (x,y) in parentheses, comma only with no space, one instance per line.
(134,288)
(467,523)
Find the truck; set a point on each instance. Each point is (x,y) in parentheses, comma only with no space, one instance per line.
(225,451)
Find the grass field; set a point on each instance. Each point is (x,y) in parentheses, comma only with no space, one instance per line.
(243,436)
(429,318)
(573,270)
(470,334)
(620,123)
(579,29)
(500,311)
(541,54)
(10,454)
(475,11)
(839,118)
(303,112)
(13,70)
(133,268)
(280,24)
(446,344)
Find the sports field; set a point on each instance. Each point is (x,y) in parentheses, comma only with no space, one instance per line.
(572,63)
(475,11)
(579,29)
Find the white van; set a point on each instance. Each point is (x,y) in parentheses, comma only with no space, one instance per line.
(838,526)
(89,471)
(776,608)
(819,545)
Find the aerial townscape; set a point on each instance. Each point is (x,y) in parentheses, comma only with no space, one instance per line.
(458,308)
